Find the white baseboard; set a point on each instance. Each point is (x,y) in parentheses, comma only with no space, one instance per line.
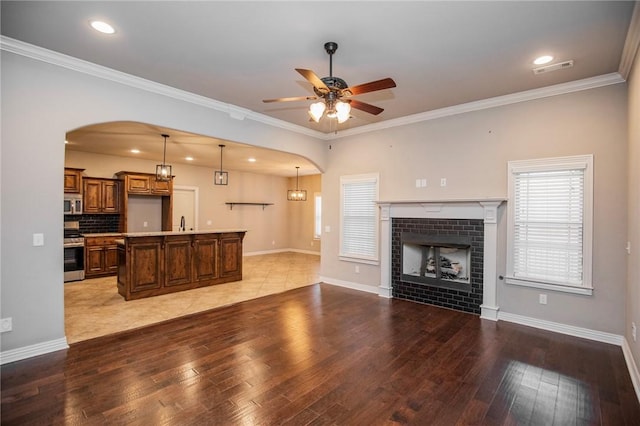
(349,284)
(585,333)
(284,250)
(18,354)
(632,367)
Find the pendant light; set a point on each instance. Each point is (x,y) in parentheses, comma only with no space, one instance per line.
(221,177)
(163,171)
(297,194)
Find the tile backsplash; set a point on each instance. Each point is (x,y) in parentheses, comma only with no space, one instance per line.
(96,223)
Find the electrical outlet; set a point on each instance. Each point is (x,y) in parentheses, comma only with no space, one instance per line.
(145,224)
(423,183)
(543,299)
(6,324)
(357,269)
(418,183)
(633,331)
(208,222)
(443,181)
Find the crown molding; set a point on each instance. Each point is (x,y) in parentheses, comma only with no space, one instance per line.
(54,58)
(631,43)
(239,113)
(529,95)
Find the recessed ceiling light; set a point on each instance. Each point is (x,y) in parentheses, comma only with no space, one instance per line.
(543,60)
(188,158)
(251,160)
(135,151)
(103,27)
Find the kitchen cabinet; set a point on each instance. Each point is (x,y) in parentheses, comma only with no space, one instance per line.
(101,195)
(154,263)
(230,255)
(145,184)
(101,256)
(205,253)
(72,180)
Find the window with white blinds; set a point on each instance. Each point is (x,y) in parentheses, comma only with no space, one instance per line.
(550,223)
(359,218)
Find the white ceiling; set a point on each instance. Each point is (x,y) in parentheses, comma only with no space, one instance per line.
(440,54)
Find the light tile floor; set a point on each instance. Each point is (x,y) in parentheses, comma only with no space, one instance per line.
(94,308)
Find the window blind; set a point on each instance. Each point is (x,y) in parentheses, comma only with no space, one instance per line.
(549,226)
(359,218)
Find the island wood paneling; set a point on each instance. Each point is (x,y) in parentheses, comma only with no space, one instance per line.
(169,262)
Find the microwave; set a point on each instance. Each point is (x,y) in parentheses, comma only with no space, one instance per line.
(72,204)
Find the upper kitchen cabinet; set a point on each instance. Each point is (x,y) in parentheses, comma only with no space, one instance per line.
(101,195)
(72,180)
(144,184)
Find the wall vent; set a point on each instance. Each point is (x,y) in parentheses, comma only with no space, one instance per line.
(553,67)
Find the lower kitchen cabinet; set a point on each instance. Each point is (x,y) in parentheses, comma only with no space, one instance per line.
(101,256)
(154,263)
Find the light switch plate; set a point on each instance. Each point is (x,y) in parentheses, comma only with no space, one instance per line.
(38,240)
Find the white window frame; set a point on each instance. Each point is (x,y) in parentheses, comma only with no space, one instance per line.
(317,215)
(582,162)
(373,258)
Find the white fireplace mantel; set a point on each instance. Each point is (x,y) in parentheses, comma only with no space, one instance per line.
(484,208)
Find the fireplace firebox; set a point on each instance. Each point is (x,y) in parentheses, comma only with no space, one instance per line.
(437,260)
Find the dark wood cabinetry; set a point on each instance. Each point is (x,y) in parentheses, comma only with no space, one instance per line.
(150,265)
(72,180)
(101,195)
(230,255)
(145,184)
(101,256)
(205,252)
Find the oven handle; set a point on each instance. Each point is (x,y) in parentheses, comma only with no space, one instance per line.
(71,245)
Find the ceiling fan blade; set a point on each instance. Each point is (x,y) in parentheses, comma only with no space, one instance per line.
(363,106)
(372,86)
(313,79)
(297,98)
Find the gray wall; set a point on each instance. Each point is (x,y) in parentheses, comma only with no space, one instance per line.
(633,161)
(40,104)
(471,151)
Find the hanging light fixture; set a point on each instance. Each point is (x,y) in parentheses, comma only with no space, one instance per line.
(220,177)
(163,171)
(297,194)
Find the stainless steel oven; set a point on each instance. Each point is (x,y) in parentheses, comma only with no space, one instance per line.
(73,252)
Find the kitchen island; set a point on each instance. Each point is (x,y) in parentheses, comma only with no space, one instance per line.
(154,263)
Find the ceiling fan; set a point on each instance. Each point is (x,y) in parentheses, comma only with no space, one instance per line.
(335,92)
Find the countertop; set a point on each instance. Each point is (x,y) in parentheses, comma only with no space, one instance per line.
(103,234)
(165,233)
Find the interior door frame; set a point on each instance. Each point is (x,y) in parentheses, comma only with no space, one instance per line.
(196,193)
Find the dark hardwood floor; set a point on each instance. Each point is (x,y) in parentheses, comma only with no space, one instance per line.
(325,355)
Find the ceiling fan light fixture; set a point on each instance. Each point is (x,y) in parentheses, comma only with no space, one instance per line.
(316,110)
(343,111)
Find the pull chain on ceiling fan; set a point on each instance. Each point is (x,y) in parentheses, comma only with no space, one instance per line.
(335,93)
